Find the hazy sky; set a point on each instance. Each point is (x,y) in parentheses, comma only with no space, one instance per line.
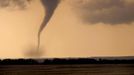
(78,28)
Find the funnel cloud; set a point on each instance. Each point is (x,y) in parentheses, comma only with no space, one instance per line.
(50,6)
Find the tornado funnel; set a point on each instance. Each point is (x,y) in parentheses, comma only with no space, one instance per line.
(49,6)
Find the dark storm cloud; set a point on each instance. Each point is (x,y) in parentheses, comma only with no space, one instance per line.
(105,11)
(14,3)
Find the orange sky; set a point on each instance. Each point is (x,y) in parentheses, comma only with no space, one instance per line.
(65,35)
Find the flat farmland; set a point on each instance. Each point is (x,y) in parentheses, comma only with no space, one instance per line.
(68,69)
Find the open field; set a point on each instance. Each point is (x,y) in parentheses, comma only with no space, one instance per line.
(74,69)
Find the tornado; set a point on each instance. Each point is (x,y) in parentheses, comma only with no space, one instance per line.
(49,6)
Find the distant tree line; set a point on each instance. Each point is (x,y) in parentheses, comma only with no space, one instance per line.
(65,61)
